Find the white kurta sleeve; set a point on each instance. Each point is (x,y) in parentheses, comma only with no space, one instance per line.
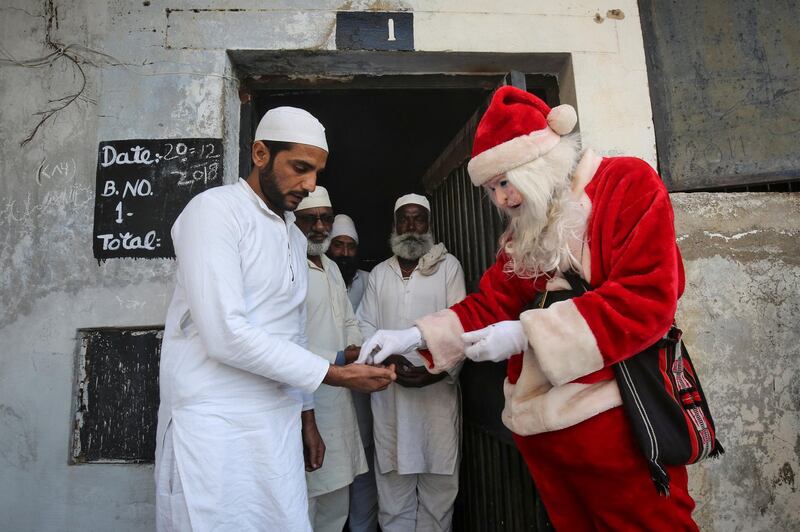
(367,314)
(206,238)
(353,334)
(307,397)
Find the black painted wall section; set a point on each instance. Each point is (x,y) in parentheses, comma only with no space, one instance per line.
(142,187)
(117,395)
(725,88)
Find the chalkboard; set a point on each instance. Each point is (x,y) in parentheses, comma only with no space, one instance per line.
(142,186)
(116,395)
(725,89)
(374,30)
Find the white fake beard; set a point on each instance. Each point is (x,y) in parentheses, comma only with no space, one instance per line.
(538,230)
(315,249)
(410,246)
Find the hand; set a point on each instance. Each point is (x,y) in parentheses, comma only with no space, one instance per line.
(412,376)
(384,343)
(313,446)
(351,353)
(360,377)
(496,342)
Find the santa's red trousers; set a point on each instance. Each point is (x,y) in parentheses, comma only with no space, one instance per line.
(592,476)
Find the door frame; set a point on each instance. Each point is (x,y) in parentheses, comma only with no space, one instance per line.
(260,70)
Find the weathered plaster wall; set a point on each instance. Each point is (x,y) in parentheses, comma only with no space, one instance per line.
(50,284)
(158,69)
(739,314)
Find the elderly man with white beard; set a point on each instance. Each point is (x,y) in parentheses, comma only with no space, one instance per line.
(330,430)
(610,221)
(417,422)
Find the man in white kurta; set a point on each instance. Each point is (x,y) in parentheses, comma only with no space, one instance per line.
(416,429)
(357,287)
(344,252)
(363,494)
(331,327)
(234,372)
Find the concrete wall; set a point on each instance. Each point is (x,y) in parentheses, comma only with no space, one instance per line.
(739,314)
(157,70)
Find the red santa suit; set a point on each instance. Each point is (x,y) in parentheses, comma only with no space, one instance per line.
(562,401)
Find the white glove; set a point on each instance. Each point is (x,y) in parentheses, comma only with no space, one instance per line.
(496,342)
(385,343)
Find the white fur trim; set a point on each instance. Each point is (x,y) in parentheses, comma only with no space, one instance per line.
(562,119)
(584,171)
(557,408)
(442,333)
(511,154)
(563,342)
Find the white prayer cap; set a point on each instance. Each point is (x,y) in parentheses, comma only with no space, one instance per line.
(343,225)
(416,199)
(318,198)
(290,124)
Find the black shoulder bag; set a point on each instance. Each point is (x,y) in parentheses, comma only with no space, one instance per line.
(661,395)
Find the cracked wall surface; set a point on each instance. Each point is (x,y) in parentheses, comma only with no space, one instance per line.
(159,69)
(739,314)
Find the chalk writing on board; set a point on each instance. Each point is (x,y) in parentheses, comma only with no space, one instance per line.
(142,186)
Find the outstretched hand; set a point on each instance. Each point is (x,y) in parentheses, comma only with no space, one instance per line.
(360,377)
(412,376)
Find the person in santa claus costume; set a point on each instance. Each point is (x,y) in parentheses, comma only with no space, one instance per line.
(610,220)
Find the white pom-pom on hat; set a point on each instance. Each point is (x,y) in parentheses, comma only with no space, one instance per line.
(562,119)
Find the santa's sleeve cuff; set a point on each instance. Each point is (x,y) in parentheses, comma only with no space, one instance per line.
(562,341)
(442,333)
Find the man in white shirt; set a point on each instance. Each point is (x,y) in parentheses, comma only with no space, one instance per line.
(331,328)
(235,373)
(343,251)
(417,420)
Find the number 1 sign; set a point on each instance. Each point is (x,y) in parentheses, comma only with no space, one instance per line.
(374,30)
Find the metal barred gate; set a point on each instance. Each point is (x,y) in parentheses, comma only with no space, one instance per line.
(496,492)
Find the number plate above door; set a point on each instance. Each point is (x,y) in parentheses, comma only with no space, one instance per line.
(374,30)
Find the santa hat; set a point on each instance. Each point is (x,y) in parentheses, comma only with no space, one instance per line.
(517,128)
(318,198)
(415,199)
(343,225)
(291,124)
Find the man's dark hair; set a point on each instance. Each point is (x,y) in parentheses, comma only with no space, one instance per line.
(274,147)
(277,146)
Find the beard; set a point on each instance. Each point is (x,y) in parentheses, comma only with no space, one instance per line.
(410,246)
(539,230)
(315,249)
(268,182)
(348,266)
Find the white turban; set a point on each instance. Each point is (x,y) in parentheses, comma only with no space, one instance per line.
(290,124)
(318,198)
(416,199)
(343,225)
